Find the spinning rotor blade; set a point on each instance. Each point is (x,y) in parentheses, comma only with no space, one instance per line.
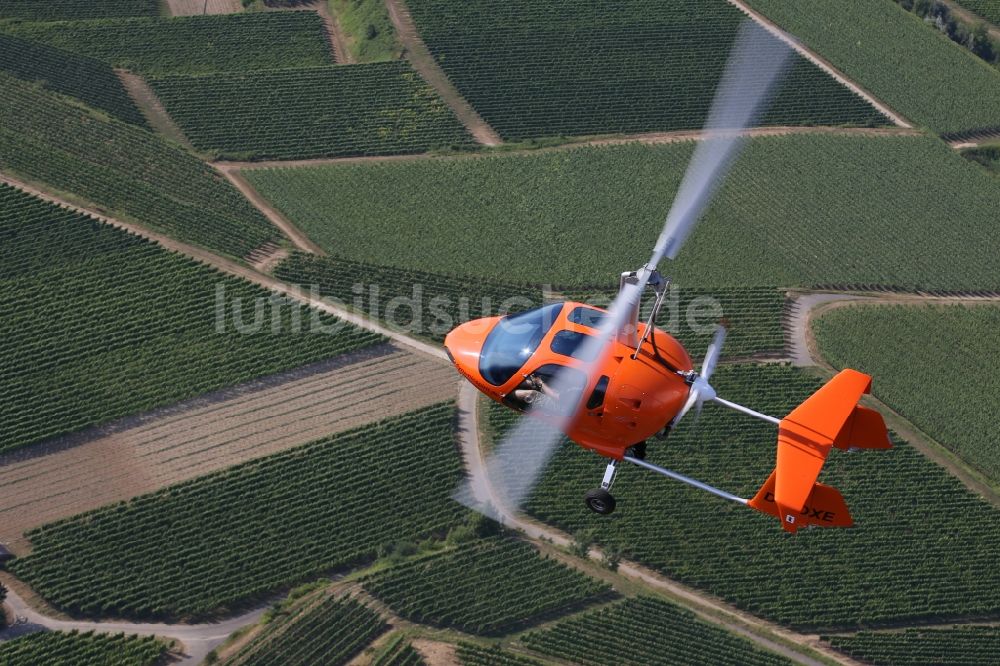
(713,352)
(701,391)
(756,61)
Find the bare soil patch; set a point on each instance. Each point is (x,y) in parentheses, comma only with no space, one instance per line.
(436,653)
(195,7)
(151,107)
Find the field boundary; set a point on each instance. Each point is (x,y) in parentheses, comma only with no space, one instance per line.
(338,42)
(421,59)
(152,108)
(820,62)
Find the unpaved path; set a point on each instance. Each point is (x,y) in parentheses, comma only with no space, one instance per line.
(198,639)
(152,108)
(422,60)
(436,653)
(266,257)
(239,270)
(140,454)
(338,42)
(820,62)
(650,138)
(296,235)
(195,7)
(707,607)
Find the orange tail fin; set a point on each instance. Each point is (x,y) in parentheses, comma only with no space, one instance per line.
(830,417)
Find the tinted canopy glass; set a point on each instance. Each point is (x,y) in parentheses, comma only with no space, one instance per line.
(570,343)
(587,317)
(513,341)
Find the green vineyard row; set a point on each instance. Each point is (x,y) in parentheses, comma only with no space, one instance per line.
(960,646)
(58,648)
(58,10)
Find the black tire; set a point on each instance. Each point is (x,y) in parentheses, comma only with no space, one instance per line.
(599,501)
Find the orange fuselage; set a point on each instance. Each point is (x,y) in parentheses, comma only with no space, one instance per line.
(627,399)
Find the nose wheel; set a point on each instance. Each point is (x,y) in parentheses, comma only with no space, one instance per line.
(600,500)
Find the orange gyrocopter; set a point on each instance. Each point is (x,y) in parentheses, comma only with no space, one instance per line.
(610,382)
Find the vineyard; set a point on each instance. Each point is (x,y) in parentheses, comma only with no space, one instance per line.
(908,65)
(216,542)
(126,171)
(372,109)
(58,10)
(960,646)
(443,301)
(98,324)
(399,653)
(796,210)
(89,80)
(918,531)
(487,588)
(475,655)
(57,648)
(938,366)
(566,67)
(330,632)
(988,9)
(193,44)
(645,632)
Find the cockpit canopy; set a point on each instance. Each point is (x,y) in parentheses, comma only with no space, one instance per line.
(513,340)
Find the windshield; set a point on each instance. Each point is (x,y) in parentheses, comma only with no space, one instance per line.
(570,343)
(513,341)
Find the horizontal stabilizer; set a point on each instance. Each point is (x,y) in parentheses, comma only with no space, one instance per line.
(824,507)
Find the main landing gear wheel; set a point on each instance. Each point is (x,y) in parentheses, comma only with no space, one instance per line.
(600,501)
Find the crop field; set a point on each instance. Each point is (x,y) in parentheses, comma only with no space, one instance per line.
(797,210)
(57,10)
(153,450)
(126,171)
(753,313)
(331,632)
(98,324)
(214,543)
(988,9)
(960,646)
(568,68)
(399,653)
(67,648)
(91,81)
(476,655)
(371,109)
(910,66)
(488,587)
(923,546)
(952,393)
(193,44)
(645,631)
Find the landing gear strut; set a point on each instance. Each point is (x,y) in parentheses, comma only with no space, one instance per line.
(600,500)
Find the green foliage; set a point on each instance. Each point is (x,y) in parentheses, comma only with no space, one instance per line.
(645,632)
(91,81)
(209,544)
(567,67)
(918,531)
(193,44)
(56,10)
(986,156)
(487,587)
(59,648)
(960,646)
(988,9)
(126,171)
(399,653)
(374,109)
(331,632)
(902,61)
(938,366)
(796,210)
(97,324)
(476,655)
(371,36)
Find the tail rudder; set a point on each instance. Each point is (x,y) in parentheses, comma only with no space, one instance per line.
(824,507)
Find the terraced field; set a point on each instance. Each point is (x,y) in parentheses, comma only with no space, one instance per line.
(642,632)
(57,10)
(214,543)
(371,109)
(91,81)
(144,453)
(66,648)
(124,170)
(431,304)
(98,324)
(796,210)
(910,66)
(569,68)
(960,646)
(193,44)
(486,587)
(938,366)
(918,531)
(329,631)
